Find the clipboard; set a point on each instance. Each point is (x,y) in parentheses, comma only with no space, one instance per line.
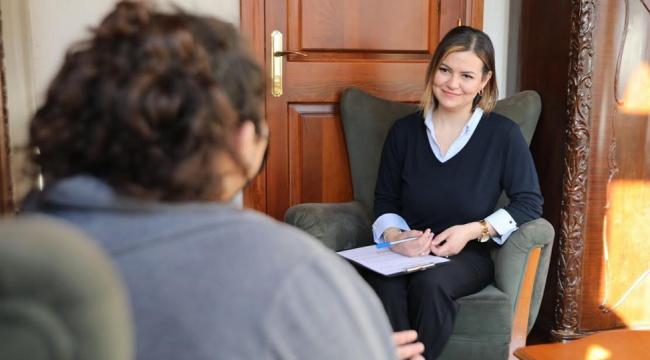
(389,263)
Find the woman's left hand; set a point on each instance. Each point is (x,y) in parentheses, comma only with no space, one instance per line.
(451,241)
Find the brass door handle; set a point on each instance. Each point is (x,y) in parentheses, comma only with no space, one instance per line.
(283,53)
(276,62)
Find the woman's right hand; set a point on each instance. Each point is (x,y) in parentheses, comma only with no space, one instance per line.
(419,247)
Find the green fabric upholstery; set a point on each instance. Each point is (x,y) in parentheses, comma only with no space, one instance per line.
(60,297)
(484,323)
(353,224)
(363,112)
(486,317)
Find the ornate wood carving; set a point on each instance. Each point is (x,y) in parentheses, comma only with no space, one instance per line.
(571,240)
(6,191)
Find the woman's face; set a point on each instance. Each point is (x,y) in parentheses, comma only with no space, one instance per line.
(457,81)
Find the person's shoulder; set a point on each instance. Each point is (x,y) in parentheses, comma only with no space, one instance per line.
(259,224)
(408,124)
(279,240)
(409,121)
(498,122)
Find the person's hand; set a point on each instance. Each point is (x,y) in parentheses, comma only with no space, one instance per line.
(413,248)
(406,348)
(451,241)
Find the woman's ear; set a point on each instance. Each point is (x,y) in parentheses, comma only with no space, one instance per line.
(246,138)
(486,78)
(250,147)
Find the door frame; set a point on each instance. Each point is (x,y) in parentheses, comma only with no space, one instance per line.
(6,189)
(252,27)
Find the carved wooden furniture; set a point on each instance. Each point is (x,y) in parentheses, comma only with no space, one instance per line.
(589,61)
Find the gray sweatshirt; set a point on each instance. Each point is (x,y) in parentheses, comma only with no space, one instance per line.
(210,281)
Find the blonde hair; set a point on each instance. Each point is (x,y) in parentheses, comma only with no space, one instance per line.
(459,39)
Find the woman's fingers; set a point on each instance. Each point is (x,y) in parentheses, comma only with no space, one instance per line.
(419,247)
(406,349)
(410,234)
(404,337)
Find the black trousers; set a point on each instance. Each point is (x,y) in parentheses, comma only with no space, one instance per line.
(426,301)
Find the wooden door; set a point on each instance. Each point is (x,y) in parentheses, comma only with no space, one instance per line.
(381,46)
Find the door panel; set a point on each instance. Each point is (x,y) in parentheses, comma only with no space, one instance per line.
(344,25)
(381,46)
(317,148)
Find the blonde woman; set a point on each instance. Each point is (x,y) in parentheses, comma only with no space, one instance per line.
(442,171)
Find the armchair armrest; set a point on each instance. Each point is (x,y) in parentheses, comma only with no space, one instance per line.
(338,226)
(520,270)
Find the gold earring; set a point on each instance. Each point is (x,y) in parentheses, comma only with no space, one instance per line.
(480,92)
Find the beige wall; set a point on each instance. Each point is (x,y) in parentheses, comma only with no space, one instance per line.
(496,20)
(36,34)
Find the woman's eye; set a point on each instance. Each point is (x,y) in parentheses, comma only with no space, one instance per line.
(468,76)
(444,70)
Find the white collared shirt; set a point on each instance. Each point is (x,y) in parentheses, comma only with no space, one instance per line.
(500,220)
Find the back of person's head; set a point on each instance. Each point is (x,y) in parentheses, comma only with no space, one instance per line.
(144,103)
(460,39)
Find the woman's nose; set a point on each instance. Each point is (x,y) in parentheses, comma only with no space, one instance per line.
(452,83)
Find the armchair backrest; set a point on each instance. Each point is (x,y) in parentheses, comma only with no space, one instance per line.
(60,296)
(367,120)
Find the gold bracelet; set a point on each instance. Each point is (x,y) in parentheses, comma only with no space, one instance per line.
(391,230)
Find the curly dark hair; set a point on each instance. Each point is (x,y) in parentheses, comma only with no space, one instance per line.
(145,101)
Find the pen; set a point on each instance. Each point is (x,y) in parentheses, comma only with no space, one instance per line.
(388,244)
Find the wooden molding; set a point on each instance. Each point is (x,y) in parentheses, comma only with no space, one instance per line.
(574,185)
(252,28)
(522,313)
(6,190)
(475,13)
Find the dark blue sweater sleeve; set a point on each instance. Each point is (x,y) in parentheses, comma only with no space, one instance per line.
(519,179)
(387,190)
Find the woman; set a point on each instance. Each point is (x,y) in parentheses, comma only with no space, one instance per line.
(147,133)
(442,171)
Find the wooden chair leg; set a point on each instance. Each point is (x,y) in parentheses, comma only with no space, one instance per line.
(520,325)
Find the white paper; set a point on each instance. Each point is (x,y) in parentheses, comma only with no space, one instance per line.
(387,262)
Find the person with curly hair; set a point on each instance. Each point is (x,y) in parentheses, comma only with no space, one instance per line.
(148,131)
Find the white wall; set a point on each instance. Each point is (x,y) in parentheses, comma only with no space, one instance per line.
(36,35)
(496,19)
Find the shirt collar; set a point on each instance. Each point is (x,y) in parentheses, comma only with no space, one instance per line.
(469,127)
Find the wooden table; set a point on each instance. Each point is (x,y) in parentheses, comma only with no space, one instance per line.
(614,344)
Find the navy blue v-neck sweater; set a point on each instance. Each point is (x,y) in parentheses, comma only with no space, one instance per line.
(414,184)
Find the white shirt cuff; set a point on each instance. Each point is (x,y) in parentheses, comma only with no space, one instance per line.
(384,222)
(504,225)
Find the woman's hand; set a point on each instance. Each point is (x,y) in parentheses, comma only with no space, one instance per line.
(406,347)
(419,247)
(451,241)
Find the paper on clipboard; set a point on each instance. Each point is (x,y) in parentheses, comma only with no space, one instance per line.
(389,263)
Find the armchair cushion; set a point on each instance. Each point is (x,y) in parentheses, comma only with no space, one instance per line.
(361,111)
(486,317)
(353,224)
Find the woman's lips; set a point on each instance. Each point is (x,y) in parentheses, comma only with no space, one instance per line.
(450,94)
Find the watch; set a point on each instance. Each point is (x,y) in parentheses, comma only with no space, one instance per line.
(485,231)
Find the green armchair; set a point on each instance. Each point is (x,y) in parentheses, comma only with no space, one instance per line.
(60,296)
(492,323)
